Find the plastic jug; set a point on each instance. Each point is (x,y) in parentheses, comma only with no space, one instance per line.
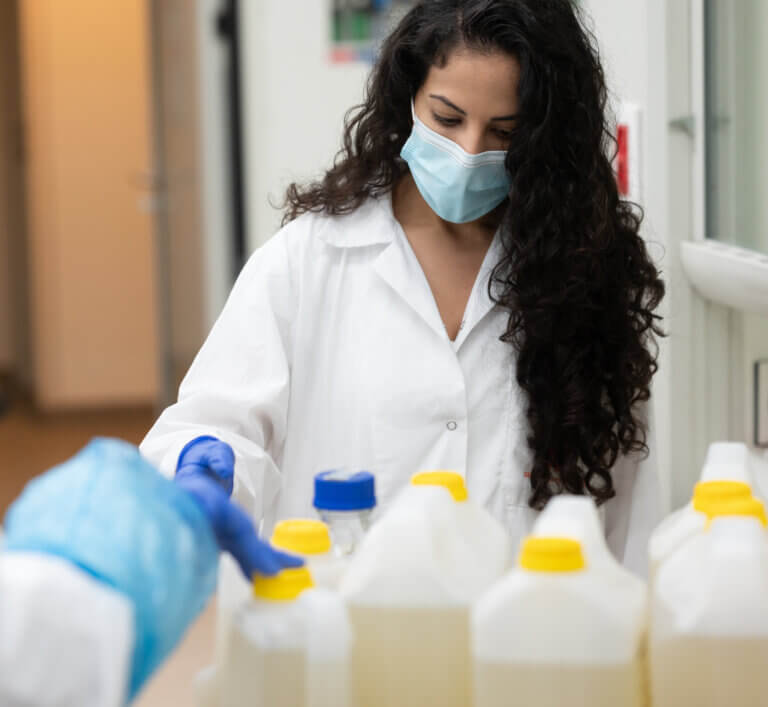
(726,474)
(709,614)
(311,539)
(409,589)
(288,647)
(478,527)
(345,503)
(329,643)
(266,648)
(308,538)
(577,517)
(556,632)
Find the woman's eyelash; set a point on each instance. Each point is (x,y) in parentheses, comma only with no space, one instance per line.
(445,121)
(452,122)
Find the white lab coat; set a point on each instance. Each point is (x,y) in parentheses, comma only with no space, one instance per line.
(66,640)
(331,351)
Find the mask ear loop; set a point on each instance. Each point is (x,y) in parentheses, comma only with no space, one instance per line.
(418,123)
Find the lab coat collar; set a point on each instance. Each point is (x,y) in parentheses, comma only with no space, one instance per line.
(370,224)
(374,223)
(398,266)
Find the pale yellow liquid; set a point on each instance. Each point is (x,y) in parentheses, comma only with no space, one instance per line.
(328,685)
(253,677)
(710,672)
(559,685)
(411,657)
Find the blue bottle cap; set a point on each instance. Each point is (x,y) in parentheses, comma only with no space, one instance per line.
(337,491)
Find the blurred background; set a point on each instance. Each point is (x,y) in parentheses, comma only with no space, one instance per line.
(144,145)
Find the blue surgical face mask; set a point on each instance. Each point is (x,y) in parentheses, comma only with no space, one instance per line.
(458,186)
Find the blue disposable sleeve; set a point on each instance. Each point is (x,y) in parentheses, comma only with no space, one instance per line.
(108,511)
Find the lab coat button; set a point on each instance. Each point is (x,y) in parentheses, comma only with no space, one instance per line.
(452,425)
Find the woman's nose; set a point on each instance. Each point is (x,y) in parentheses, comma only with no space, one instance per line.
(472,141)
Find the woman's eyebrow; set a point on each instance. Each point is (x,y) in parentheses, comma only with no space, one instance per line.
(448,103)
(463,112)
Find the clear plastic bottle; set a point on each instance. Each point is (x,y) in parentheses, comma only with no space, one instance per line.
(345,502)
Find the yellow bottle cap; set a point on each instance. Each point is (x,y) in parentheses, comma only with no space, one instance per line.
(750,507)
(284,586)
(705,493)
(448,479)
(302,536)
(542,554)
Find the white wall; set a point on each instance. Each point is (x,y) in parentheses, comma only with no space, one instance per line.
(633,49)
(214,156)
(294,102)
(621,29)
(176,61)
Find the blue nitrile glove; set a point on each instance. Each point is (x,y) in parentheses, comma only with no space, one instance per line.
(233,528)
(211,456)
(206,469)
(112,514)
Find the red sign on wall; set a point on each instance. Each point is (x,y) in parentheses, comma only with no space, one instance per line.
(622,159)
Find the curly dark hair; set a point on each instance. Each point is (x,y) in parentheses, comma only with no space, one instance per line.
(575,277)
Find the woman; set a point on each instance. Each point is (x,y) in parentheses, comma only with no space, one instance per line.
(463,289)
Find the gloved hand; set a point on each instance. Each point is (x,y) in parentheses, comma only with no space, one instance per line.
(205,470)
(233,528)
(209,456)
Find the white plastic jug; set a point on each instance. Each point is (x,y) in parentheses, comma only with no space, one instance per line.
(288,647)
(577,517)
(311,539)
(232,592)
(307,538)
(727,473)
(709,615)
(557,632)
(480,530)
(409,589)
(329,643)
